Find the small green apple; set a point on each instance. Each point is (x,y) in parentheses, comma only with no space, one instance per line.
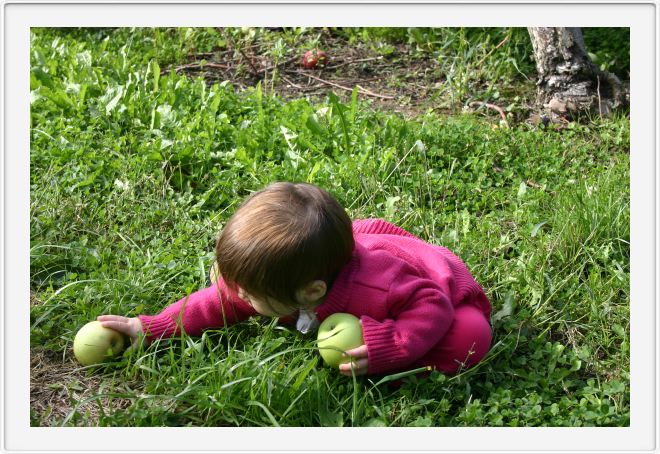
(94,343)
(338,333)
(214,272)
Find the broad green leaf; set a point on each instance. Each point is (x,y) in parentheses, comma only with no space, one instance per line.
(155,119)
(215,103)
(316,168)
(39,77)
(330,418)
(389,205)
(354,98)
(117,93)
(304,373)
(314,126)
(59,97)
(507,308)
(167,115)
(155,74)
(537,227)
(465,215)
(375,422)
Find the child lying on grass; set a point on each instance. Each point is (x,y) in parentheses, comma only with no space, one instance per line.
(291,251)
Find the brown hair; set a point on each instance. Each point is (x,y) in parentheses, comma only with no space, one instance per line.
(283,237)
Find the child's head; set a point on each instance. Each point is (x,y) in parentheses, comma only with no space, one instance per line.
(282,240)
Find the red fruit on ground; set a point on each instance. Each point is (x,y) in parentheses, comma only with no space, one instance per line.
(314,58)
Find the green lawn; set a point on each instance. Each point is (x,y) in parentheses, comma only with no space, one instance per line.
(133,173)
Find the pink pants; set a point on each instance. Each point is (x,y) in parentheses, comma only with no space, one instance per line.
(464,345)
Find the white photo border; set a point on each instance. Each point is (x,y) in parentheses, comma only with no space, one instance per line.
(18,16)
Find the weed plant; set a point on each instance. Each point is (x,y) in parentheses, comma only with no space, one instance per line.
(133,173)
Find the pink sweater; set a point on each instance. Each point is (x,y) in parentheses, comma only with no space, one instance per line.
(404,291)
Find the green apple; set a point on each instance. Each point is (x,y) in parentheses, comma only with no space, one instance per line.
(214,272)
(338,333)
(94,343)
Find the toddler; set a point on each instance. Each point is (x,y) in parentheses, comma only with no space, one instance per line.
(291,251)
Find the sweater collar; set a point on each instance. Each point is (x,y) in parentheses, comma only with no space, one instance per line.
(337,297)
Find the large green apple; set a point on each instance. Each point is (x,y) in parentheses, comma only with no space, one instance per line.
(338,333)
(94,343)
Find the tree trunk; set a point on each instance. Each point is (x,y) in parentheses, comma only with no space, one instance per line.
(568,81)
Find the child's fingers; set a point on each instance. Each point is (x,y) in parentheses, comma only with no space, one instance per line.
(359,366)
(357,352)
(111,318)
(119,326)
(118,323)
(358,361)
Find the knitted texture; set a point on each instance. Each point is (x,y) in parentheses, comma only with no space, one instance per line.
(404,291)
(212,307)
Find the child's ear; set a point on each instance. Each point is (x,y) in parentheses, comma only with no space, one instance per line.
(312,292)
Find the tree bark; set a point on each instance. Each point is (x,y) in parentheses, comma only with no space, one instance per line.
(568,81)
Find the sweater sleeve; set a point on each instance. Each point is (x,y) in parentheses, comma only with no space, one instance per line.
(379,226)
(420,315)
(212,307)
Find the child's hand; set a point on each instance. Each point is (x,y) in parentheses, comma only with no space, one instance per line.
(131,327)
(358,363)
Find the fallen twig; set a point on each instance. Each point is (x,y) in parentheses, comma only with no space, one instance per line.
(506,38)
(255,71)
(290,82)
(533,184)
(196,65)
(201,54)
(285,62)
(490,106)
(370,93)
(360,90)
(354,61)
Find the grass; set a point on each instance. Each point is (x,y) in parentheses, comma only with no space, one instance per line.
(133,173)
